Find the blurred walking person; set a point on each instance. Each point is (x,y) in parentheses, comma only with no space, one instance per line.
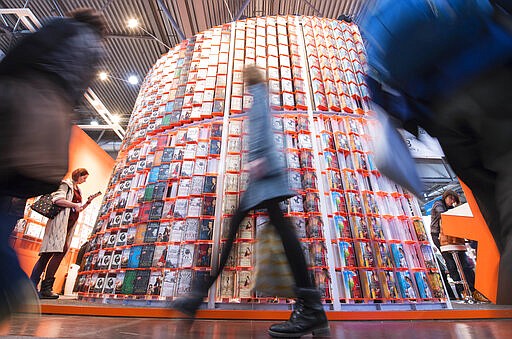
(268,186)
(41,79)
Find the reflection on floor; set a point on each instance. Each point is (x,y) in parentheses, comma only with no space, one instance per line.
(58,326)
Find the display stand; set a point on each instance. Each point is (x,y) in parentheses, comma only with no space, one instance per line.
(180,174)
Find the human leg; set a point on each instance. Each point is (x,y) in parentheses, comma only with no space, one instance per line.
(49,276)
(189,305)
(308,315)
(39,267)
(16,290)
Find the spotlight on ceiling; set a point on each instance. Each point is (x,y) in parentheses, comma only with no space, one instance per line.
(133,79)
(132,23)
(103,76)
(116,118)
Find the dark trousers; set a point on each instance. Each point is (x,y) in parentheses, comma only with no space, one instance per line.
(443,270)
(474,129)
(291,244)
(469,274)
(11,275)
(49,263)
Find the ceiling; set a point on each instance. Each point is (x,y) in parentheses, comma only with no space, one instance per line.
(133,51)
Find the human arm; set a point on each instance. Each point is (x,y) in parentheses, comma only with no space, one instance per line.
(59,198)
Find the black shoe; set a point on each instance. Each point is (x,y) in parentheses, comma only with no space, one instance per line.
(187,305)
(46,289)
(307,317)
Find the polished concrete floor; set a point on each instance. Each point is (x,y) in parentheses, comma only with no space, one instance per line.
(59,326)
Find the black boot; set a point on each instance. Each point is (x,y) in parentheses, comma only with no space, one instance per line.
(46,289)
(188,305)
(307,317)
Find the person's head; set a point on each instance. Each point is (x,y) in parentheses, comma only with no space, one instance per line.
(79,175)
(253,75)
(91,17)
(450,198)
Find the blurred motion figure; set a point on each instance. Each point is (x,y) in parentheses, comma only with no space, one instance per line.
(41,79)
(446,65)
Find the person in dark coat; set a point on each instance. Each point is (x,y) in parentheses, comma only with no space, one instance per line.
(41,79)
(463,100)
(267,187)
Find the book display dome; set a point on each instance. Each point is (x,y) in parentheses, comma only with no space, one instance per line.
(180,174)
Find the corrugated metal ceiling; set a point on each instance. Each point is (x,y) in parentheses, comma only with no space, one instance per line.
(132,51)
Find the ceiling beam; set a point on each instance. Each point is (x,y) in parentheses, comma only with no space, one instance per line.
(156,23)
(185,18)
(173,22)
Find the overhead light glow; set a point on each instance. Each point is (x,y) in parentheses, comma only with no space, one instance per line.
(94,122)
(116,118)
(133,79)
(132,23)
(103,76)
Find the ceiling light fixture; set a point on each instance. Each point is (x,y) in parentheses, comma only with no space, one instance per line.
(134,23)
(133,79)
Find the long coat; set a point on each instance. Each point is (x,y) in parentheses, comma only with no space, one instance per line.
(261,145)
(55,233)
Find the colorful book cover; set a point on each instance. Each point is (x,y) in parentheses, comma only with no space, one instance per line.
(146,256)
(135,252)
(352,284)
(196,186)
(155,283)
(191,229)
(187,255)
(210,184)
(428,256)
(128,282)
(347,254)
(169,283)
(110,283)
(115,262)
(299,224)
(383,255)
(141,232)
(376,231)
(246,228)
(159,256)
(342,226)
(164,232)
(204,255)
(155,212)
(422,285)
(125,257)
(130,235)
(359,227)
(184,283)
(421,234)
(318,254)
(172,258)
(151,233)
(244,284)
(389,285)
(206,229)
(140,284)
(210,202)
(339,204)
(406,284)
(399,256)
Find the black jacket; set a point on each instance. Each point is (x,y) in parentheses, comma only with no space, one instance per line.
(64,50)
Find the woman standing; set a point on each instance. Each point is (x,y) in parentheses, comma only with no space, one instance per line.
(59,232)
(268,186)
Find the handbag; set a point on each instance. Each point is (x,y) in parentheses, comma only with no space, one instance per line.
(45,206)
(272,270)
